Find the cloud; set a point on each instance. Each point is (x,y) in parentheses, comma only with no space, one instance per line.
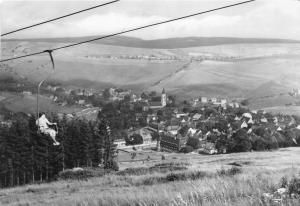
(264,18)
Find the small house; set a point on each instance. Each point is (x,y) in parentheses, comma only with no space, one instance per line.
(204,100)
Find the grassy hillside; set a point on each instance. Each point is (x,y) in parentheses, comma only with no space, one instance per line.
(258,175)
(243,78)
(27,104)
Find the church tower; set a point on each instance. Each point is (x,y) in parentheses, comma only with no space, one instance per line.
(163,98)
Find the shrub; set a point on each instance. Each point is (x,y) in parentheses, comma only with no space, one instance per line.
(134,139)
(197,175)
(222,143)
(168,164)
(294,186)
(114,165)
(221,125)
(271,142)
(239,142)
(234,171)
(230,172)
(134,171)
(281,139)
(79,175)
(260,131)
(176,177)
(193,142)
(186,149)
(283,182)
(160,168)
(194,175)
(259,144)
(183,131)
(82,174)
(153,180)
(290,135)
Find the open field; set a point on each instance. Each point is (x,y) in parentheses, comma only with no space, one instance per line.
(261,172)
(27,104)
(289,110)
(243,78)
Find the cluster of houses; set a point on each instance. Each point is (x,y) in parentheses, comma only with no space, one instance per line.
(79,91)
(83,93)
(211,56)
(168,131)
(215,101)
(192,55)
(174,132)
(116,94)
(295,92)
(136,57)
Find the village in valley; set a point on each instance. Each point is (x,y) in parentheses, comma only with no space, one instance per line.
(160,121)
(206,125)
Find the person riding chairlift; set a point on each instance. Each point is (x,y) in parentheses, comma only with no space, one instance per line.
(43,123)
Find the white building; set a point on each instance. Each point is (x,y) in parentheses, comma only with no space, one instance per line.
(204,100)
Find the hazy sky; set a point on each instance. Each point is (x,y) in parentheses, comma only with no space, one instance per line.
(262,18)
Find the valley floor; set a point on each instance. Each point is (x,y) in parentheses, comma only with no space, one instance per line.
(261,173)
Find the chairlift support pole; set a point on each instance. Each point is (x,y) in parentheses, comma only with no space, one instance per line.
(40,84)
(37,102)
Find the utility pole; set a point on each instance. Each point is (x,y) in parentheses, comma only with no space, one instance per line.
(158,138)
(109,152)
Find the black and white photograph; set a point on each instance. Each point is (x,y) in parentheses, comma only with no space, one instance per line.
(150,103)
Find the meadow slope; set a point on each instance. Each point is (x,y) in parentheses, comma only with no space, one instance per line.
(261,172)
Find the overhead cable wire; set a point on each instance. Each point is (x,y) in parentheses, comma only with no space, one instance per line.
(61,17)
(151,25)
(27,55)
(134,29)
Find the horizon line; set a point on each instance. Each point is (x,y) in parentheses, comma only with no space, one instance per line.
(139,38)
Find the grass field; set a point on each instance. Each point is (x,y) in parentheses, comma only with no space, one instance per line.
(261,172)
(27,104)
(289,110)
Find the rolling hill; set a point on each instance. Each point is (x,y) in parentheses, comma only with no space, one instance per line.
(187,67)
(170,43)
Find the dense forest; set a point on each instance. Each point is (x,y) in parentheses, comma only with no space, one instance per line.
(26,156)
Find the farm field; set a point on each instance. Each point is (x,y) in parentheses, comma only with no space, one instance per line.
(261,172)
(27,104)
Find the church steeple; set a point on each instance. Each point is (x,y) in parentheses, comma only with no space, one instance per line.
(163,98)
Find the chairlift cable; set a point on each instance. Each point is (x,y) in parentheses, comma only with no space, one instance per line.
(61,17)
(134,29)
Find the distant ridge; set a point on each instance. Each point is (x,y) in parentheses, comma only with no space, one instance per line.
(170,43)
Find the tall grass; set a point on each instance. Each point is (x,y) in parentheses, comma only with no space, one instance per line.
(197,185)
(240,189)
